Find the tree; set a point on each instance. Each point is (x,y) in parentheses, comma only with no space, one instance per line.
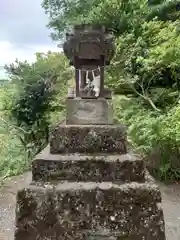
(118,15)
(40,85)
(149,62)
(164,10)
(146,38)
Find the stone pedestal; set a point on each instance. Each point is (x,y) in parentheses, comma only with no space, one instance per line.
(89,111)
(88,139)
(86,186)
(78,210)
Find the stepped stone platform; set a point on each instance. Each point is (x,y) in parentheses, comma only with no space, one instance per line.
(80,210)
(80,167)
(85,184)
(89,196)
(88,139)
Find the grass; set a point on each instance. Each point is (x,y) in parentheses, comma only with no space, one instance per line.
(13,160)
(14,157)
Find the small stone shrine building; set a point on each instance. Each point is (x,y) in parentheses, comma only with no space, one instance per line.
(85,185)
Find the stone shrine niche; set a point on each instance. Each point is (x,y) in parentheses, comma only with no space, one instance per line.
(89,49)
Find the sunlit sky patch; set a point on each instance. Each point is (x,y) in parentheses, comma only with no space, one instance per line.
(23,31)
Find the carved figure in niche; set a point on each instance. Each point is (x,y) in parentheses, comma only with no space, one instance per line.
(90,82)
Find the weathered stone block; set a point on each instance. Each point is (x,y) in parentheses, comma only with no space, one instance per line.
(76,211)
(89,111)
(88,139)
(92,167)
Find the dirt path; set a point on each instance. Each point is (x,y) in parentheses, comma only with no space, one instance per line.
(170,194)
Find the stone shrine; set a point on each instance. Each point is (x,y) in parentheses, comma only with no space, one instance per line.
(85,185)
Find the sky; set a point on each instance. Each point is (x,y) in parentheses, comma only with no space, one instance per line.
(23,31)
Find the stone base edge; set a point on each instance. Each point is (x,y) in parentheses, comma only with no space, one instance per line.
(74,211)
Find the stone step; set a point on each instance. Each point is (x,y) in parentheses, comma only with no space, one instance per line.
(92,167)
(90,210)
(88,139)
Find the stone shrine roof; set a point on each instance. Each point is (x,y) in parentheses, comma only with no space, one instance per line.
(89,42)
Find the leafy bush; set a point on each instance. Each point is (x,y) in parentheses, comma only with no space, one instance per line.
(37,91)
(37,100)
(155,135)
(14,158)
(147,65)
(118,15)
(145,68)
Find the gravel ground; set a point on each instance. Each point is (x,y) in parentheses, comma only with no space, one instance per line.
(170,194)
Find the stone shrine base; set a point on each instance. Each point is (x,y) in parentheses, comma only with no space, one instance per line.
(89,111)
(90,139)
(103,167)
(89,210)
(86,186)
(89,197)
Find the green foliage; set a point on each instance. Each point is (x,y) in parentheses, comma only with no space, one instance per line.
(116,15)
(147,40)
(148,63)
(8,93)
(156,136)
(30,104)
(14,158)
(145,68)
(38,84)
(165,10)
(153,48)
(145,72)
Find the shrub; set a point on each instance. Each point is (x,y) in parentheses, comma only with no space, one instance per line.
(155,135)
(37,100)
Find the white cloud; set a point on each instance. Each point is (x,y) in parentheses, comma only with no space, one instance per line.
(23,22)
(23,31)
(9,53)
